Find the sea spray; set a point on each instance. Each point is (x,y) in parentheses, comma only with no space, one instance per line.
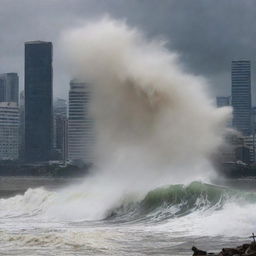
(151,117)
(155,124)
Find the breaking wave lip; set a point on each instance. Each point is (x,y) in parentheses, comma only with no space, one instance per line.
(176,201)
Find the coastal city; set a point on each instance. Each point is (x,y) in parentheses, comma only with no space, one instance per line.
(127,127)
(38,129)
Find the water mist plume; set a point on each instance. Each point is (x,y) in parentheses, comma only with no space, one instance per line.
(149,113)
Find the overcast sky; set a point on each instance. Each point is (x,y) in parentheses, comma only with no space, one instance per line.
(207,34)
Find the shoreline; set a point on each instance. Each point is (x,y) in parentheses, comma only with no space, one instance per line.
(43,170)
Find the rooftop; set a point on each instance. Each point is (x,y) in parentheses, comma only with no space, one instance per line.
(38,42)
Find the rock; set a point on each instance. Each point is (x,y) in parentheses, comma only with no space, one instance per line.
(243,250)
(230,251)
(198,252)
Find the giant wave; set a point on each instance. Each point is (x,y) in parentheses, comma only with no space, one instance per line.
(195,207)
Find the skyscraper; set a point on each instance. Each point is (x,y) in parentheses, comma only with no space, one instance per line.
(9,131)
(241,95)
(9,87)
(38,100)
(80,125)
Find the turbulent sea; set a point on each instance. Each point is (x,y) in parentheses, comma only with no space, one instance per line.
(166,221)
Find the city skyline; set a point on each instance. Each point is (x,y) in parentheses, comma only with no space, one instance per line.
(58,121)
(240,76)
(199,39)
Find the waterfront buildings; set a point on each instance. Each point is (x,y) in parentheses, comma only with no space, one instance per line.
(61,137)
(80,125)
(60,129)
(241,96)
(253,117)
(222,101)
(38,101)
(250,142)
(22,125)
(9,131)
(9,87)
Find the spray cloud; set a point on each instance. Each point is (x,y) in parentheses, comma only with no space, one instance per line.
(154,123)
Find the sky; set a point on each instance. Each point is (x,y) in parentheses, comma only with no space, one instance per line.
(207,34)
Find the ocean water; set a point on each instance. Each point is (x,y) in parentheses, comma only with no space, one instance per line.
(44,216)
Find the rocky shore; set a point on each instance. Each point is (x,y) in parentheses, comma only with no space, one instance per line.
(243,250)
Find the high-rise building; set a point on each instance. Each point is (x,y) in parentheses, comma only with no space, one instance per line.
(241,95)
(60,125)
(253,117)
(250,143)
(9,87)
(38,101)
(60,107)
(80,125)
(61,137)
(22,126)
(9,131)
(222,101)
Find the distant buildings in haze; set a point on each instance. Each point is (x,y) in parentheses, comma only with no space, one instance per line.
(222,101)
(60,107)
(244,116)
(9,87)
(9,116)
(9,131)
(241,95)
(22,125)
(60,129)
(240,99)
(37,129)
(80,126)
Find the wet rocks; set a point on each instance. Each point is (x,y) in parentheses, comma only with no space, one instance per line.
(198,252)
(243,250)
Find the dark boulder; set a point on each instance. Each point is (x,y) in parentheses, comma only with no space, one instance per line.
(198,252)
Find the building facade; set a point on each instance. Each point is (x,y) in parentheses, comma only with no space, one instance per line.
(60,129)
(38,101)
(9,131)
(22,125)
(250,142)
(9,87)
(60,107)
(80,125)
(241,96)
(61,137)
(222,101)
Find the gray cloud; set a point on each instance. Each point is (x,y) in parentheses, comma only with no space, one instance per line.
(207,34)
